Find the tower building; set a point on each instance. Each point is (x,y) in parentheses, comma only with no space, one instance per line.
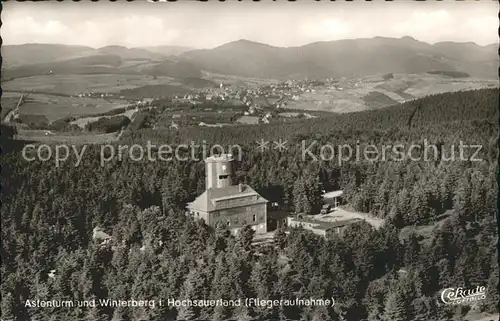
(218,171)
(227,205)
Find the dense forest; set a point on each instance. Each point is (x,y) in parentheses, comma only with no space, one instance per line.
(156,252)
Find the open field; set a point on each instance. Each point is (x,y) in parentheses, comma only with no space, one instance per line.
(425,88)
(44,136)
(82,122)
(148,91)
(76,84)
(55,107)
(350,95)
(238,80)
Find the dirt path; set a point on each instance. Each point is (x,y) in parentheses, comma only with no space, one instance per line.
(120,134)
(12,112)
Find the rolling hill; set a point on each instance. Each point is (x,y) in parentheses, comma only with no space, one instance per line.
(34,53)
(167,50)
(350,58)
(81,65)
(122,62)
(252,59)
(243,58)
(44,59)
(129,53)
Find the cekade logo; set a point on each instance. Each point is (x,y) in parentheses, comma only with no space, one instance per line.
(463,296)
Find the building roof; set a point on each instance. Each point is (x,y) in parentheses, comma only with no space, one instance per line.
(333,194)
(98,234)
(218,158)
(251,120)
(325,225)
(208,201)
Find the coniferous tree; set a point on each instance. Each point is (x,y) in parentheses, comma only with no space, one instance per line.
(412,250)
(245,237)
(8,307)
(280,238)
(300,201)
(395,307)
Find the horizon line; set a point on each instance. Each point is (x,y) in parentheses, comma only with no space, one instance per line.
(247,40)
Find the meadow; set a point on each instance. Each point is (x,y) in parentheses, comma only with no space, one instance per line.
(376,92)
(83,121)
(77,84)
(9,102)
(42,136)
(54,107)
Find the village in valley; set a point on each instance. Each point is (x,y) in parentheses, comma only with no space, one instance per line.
(223,101)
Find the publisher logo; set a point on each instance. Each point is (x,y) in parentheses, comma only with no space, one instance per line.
(463,296)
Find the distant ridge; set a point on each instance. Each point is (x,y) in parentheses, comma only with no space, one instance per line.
(347,57)
(167,50)
(34,53)
(30,53)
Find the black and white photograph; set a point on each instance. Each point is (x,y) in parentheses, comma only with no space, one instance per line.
(243,160)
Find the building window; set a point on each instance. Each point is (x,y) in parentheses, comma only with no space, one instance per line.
(197,213)
(254,218)
(228,223)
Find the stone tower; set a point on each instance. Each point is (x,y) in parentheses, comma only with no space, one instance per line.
(218,171)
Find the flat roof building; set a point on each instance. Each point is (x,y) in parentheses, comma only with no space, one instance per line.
(322,228)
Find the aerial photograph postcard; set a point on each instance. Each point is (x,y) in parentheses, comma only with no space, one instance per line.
(244,160)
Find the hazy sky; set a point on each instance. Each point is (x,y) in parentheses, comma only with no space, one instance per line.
(207,25)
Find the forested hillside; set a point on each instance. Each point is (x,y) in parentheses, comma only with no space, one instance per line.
(157,253)
(346,57)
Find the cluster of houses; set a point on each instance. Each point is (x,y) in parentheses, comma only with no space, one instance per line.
(257,102)
(95,95)
(276,95)
(145,102)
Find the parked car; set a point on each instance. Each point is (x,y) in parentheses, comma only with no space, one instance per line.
(325,209)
